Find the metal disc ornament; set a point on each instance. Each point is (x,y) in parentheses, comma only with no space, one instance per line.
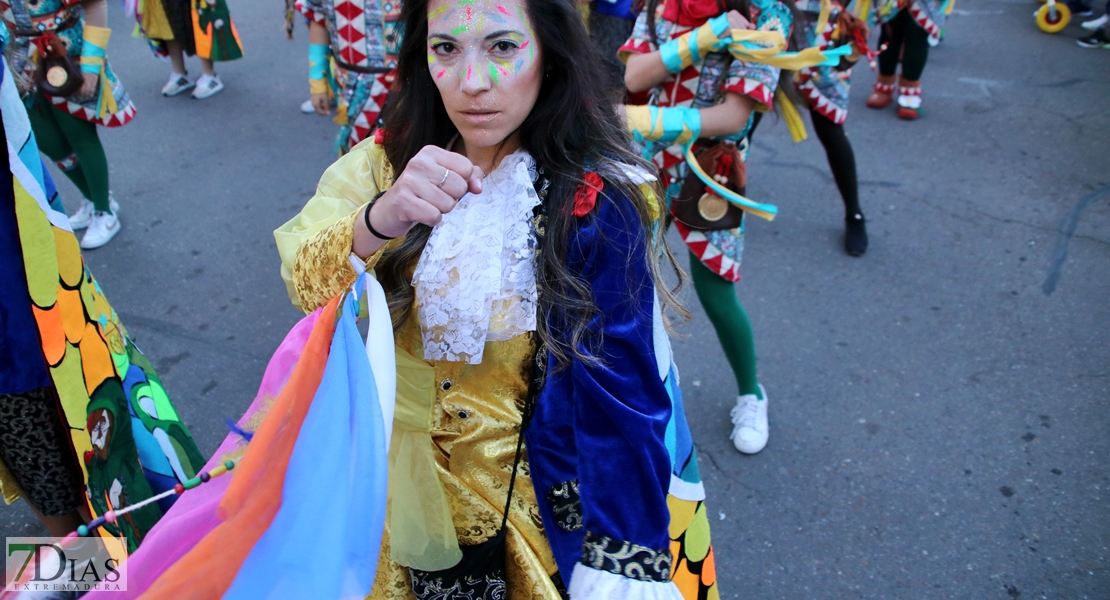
(712,207)
(57,76)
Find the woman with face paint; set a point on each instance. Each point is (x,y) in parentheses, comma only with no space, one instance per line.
(515,235)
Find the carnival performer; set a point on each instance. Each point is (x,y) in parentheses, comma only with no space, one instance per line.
(826,88)
(550,255)
(85,424)
(720,94)
(909,27)
(176,28)
(56,50)
(523,339)
(352,53)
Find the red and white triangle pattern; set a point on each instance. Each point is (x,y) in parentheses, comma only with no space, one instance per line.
(309,12)
(121,117)
(363,124)
(925,22)
(819,102)
(350,29)
(709,255)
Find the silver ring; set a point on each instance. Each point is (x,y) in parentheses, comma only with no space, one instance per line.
(446,173)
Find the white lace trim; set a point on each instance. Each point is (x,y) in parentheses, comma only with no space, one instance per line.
(475,281)
(592,584)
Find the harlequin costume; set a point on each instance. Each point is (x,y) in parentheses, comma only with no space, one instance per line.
(701,85)
(909,28)
(362,55)
(84,420)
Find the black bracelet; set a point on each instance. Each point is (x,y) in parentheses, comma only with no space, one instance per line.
(366,220)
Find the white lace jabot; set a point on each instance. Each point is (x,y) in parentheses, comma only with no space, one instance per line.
(475,281)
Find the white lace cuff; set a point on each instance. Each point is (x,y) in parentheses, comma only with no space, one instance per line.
(591,584)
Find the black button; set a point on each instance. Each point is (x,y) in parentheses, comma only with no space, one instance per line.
(446,385)
(463,414)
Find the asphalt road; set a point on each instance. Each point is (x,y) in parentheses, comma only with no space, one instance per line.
(938,407)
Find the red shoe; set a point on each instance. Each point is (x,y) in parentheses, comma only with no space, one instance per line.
(909,102)
(882,96)
(907,113)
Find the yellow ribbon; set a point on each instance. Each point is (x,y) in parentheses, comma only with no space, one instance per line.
(794,122)
(770,54)
(107,105)
(639,119)
(863,10)
(823,17)
(106,101)
(421,530)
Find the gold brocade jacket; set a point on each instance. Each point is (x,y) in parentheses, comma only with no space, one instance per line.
(477,411)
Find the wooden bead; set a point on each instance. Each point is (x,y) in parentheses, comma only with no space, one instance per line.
(178,488)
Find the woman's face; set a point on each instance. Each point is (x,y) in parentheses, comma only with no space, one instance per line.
(486,62)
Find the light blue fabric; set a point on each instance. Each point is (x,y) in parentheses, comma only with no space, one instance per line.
(325,539)
(318,60)
(668,52)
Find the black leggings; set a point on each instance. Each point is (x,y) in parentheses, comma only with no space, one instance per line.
(838,150)
(908,43)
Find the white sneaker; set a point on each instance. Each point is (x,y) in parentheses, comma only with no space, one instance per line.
(102,228)
(178,83)
(207,87)
(749,419)
(307,108)
(1094,24)
(81,218)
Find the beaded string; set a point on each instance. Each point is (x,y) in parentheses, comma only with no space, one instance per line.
(178,489)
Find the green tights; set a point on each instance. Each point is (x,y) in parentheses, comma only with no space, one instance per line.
(74,144)
(734,330)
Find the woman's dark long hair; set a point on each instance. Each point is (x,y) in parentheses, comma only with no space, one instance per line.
(572,128)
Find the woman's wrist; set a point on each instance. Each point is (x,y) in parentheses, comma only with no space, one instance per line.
(369,226)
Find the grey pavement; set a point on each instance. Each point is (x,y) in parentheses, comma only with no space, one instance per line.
(939,407)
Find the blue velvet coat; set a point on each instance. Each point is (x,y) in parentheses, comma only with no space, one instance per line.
(599,431)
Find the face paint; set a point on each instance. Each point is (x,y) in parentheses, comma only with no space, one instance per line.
(469,40)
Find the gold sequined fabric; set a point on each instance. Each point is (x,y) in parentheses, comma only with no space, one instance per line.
(476,420)
(322,268)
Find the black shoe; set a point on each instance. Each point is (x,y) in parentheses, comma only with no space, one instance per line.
(1097,39)
(1078,10)
(855,235)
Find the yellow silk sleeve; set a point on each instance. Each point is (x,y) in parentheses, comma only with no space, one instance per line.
(315,244)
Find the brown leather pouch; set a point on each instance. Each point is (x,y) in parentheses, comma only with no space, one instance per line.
(58,74)
(697,205)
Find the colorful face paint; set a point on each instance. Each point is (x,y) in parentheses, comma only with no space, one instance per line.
(484,61)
